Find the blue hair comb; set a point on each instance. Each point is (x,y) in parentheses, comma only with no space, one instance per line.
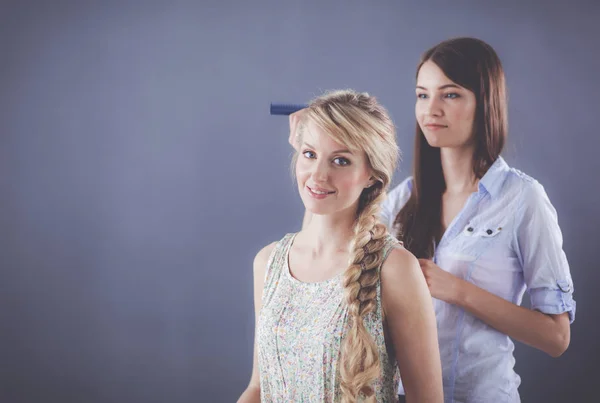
(285,109)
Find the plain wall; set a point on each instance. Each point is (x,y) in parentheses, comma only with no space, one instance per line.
(140,172)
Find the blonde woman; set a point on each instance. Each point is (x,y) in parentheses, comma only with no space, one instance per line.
(341,304)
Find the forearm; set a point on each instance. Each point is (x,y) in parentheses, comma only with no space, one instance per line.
(536,329)
(250,395)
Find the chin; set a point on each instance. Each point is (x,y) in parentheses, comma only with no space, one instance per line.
(316,209)
(439,142)
(435,141)
(315,206)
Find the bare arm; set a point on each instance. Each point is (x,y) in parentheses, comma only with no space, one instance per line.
(252,392)
(411,324)
(549,333)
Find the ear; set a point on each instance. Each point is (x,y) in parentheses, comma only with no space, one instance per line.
(371,182)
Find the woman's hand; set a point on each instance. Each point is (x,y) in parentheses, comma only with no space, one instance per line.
(294,123)
(442,285)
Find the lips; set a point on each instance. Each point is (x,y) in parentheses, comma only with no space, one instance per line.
(435,125)
(320,191)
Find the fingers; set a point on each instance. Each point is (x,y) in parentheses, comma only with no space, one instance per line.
(294,119)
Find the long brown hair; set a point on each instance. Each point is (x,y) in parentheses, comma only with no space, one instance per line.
(474,65)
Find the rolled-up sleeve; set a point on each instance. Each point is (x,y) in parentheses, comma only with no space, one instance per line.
(540,250)
(394,201)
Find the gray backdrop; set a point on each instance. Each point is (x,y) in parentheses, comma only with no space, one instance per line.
(140,172)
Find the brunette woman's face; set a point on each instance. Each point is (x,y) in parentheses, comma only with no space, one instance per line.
(444,110)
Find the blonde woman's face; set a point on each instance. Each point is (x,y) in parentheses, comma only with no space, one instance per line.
(444,110)
(330,177)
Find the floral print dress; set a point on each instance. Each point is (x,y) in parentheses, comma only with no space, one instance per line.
(300,331)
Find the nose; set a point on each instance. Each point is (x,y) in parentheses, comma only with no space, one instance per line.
(433,107)
(320,171)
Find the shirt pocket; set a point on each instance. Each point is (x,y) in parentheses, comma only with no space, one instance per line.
(481,238)
(494,266)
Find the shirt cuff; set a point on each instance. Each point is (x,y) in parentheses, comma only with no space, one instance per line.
(554,300)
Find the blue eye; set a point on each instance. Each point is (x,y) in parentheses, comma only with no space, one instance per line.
(309,154)
(422,96)
(341,161)
(452,95)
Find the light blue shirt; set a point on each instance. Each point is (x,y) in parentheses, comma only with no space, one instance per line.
(506,240)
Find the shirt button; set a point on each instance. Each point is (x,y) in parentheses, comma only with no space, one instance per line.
(489,232)
(470,229)
(564,286)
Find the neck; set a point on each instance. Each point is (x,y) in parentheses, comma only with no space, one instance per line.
(457,166)
(329,234)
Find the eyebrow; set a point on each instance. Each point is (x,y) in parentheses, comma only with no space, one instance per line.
(441,87)
(343,151)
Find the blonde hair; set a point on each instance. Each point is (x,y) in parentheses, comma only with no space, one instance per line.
(357,121)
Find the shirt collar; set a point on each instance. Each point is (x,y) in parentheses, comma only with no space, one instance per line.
(494,177)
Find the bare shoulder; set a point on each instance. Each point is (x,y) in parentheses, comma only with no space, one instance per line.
(400,269)
(261,259)
(403,286)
